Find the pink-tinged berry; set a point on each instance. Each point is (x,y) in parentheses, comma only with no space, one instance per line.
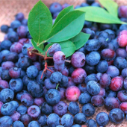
(59,57)
(3,84)
(7,65)
(78,75)
(34,111)
(116,83)
(78,59)
(123,107)
(72,93)
(123,32)
(122,11)
(16,116)
(16,47)
(122,40)
(38,101)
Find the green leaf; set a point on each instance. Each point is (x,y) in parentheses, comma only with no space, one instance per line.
(111,6)
(80,39)
(63,13)
(39,22)
(36,47)
(68,47)
(41,46)
(67,27)
(97,14)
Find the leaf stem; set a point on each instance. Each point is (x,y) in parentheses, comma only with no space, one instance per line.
(57,86)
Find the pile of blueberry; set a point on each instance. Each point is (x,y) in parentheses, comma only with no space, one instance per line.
(69,92)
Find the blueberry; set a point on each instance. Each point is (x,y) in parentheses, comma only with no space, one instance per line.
(38,101)
(60,108)
(91,32)
(64,81)
(52,96)
(92,45)
(89,69)
(15,72)
(116,83)
(26,119)
(35,89)
(97,100)
(91,123)
(125,83)
(34,124)
(7,109)
(22,31)
(67,120)
(53,120)
(25,47)
(3,55)
(26,99)
(18,124)
(6,121)
(122,95)
(73,108)
(5,75)
(111,93)
(78,59)
(82,87)
(122,11)
(15,116)
(108,54)
(15,104)
(105,80)
(76,125)
(91,77)
(113,44)
(93,87)
(24,22)
(111,33)
(18,95)
(56,77)
(102,118)
(93,58)
(116,115)
(34,111)
(102,66)
(24,62)
(26,80)
(6,95)
(120,63)
(39,79)
(3,84)
(113,71)
(62,92)
(54,48)
(84,98)
(7,65)
(95,4)
(4,28)
(55,7)
(59,57)
(121,52)
(15,24)
(88,109)
(46,108)
(42,120)
(78,75)
(16,84)
(22,109)
(19,16)
(12,56)
(80,118)
(12,36)
(5,44)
